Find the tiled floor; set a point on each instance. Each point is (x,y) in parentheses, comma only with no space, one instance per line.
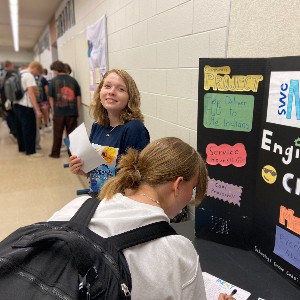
(32,189)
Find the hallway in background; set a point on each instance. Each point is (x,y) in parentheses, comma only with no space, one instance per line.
(32,189)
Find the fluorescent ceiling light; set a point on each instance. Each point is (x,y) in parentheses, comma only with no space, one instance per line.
(14,20)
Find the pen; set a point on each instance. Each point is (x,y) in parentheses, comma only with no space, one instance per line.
(231,294)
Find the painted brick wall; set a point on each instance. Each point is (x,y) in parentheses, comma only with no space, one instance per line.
(159,43)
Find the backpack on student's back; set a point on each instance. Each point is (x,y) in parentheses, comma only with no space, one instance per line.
(66,260)
(13,89)
(2,78)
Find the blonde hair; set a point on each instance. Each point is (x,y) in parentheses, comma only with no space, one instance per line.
(36,65)
(132,110)
(160,162)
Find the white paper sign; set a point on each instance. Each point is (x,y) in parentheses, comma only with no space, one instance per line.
(214,286)
(284,101)
(82,148)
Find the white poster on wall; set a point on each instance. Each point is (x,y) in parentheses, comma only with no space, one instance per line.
(97,52)
(284,100)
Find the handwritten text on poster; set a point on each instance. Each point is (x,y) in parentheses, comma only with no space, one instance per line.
(218,79)
(224,191)
(228,111)
(287,246)
(226,155)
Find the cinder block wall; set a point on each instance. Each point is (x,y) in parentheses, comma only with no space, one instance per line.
(159,42)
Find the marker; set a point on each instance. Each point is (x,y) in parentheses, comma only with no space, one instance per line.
(232,293)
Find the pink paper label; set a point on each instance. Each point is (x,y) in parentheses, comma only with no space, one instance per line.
(224,191)
(226,155)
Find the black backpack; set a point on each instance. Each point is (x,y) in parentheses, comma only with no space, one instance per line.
(2,79)
(66,260)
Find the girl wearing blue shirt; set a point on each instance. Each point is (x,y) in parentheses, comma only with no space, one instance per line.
(118,126)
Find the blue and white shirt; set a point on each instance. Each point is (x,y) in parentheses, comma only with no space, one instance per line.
(110,143)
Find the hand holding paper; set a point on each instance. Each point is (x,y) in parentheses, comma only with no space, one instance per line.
(81,147)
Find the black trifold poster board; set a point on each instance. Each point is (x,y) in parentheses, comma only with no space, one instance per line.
(249,135)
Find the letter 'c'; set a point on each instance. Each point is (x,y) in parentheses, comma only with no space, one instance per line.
(285,180)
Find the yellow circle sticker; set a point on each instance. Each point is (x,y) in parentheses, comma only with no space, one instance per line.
(269,174)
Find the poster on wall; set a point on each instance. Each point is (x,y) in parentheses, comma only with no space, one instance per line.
(249,135)
(229,114)
(66,19)
(97,53)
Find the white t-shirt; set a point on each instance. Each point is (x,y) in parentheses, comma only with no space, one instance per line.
(166,268)
(27,80)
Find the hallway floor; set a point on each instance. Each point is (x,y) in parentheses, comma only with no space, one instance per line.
(32,189)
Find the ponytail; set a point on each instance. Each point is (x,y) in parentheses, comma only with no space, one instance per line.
(128,176)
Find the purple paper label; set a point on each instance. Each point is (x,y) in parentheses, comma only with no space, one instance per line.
(224,191)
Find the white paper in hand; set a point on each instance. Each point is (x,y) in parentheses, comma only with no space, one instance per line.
(81,147)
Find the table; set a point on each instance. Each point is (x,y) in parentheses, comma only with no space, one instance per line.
(240,267)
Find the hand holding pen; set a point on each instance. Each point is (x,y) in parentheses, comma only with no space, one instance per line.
(227,297)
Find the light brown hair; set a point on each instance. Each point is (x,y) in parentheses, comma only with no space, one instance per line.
(162,161)
(36,65)
(132,110)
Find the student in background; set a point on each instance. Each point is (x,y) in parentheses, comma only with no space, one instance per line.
(118,125)
(65,99)
(7,105)
(43,87)
(45,74)
(68,71)
(27,109)
(42,99)
(152,186)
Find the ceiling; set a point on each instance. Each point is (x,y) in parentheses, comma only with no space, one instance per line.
(34,15)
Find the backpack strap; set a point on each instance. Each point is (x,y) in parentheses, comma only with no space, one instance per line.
(85,212)
(142,234)
(126,239)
